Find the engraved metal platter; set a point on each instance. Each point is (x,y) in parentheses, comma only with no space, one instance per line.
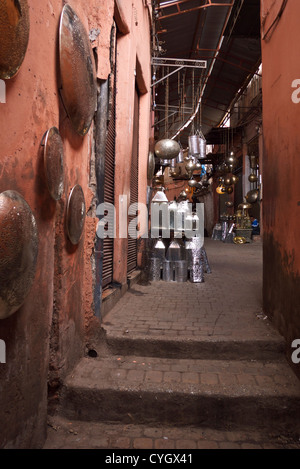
(18,251)
(151,165)
(75,214)
(78,72)
(14,36)
(54,162)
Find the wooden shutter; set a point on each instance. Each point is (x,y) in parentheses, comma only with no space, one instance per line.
(132,243)
(109,189)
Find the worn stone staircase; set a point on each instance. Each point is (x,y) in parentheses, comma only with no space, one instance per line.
(185,366)
(176,385)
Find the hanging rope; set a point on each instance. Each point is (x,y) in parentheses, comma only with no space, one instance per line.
(200,101)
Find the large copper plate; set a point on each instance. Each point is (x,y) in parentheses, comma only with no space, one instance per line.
(14,36)
(75,214)
(54,163)
(18,251)
(78,73)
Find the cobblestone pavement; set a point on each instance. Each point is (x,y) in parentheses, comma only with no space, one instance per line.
(227,304)
(208,339)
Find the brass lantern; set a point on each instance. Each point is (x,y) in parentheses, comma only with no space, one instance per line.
(190,167)
(167,149)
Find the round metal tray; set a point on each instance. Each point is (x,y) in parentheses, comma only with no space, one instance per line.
(14,36)
(18,251)
(54,163)
(75,214)
(151,165)
(78,72)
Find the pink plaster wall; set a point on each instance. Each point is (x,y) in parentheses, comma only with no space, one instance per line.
(281,168)
(49,327)
(132,48)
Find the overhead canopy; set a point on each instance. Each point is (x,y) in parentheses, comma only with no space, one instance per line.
(225,34)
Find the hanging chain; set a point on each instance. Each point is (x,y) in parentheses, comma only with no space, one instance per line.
(167,106)
(182,96)
(193,97)
(200,105)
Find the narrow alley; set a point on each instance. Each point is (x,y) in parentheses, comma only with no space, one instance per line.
(149,225)
(186,366)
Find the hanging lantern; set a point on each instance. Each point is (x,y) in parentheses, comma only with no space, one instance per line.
(167,149)
(159,180)
(252,196)
(231,160)
(180,157)
(194,145)
(192,182)
(253,177)
(190,167)
(202,145)
(227,181)
(253,161)
(234,179)
(175,172)
(173,163)
(183,194)
(229,190)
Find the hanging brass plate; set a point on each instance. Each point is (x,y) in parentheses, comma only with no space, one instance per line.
(75,214)
(14,36)
(18,251)
(151,165)
(54,163)
(78,72)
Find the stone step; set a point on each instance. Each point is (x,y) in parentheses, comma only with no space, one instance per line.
(206,347)
(73,434)
(210,393)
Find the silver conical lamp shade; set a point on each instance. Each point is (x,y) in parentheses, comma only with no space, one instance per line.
(160,196)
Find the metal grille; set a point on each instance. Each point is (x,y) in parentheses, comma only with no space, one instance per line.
(132,242)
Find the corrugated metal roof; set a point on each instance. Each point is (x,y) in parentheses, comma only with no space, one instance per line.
(227,35)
